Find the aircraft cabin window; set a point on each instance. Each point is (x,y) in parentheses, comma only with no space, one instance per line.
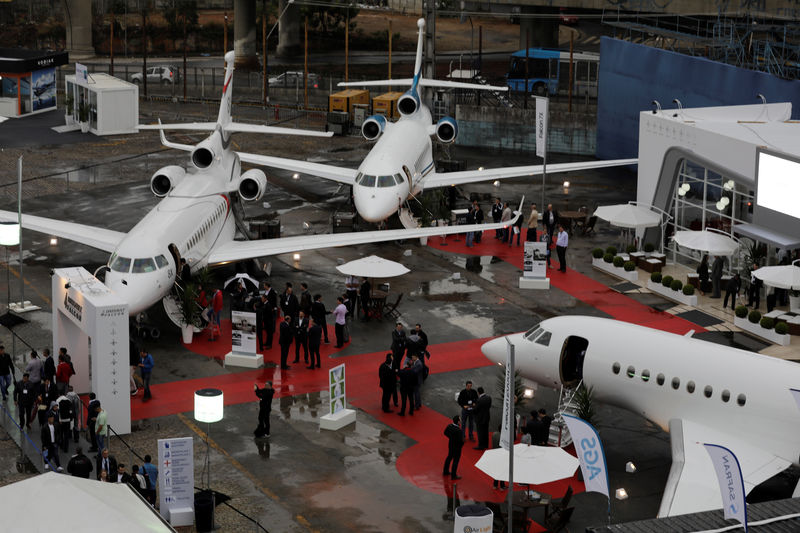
(676,383)
(660,379)
(741,400)
(708,391)
(368,181)
(161,261)
(726,395)
(645,375)
(121,264)
(544,339)
(141,266)
(631,371)
(615,368)
(690,387)
(386,181)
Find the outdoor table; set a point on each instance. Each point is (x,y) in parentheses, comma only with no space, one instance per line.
(523,500)
(569,217)
(693,279)
(377,300)
(652,265)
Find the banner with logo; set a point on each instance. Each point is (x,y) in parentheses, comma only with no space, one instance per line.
(243,333)
(175,475)
(542,104)
(534,261)
(506,438)
(590,454)
(731,483)
(336,384)
(81,74)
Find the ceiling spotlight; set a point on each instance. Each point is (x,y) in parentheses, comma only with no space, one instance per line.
(566,185)
(729,185)
(622,494)
(480,169)
(686,186)
(681,191)
(296,257)
(496,183)
(53,241)
(528,393)
(295,176)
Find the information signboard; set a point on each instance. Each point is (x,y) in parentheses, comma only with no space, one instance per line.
(175,474)
(243,333)
(534,264)
(336,381)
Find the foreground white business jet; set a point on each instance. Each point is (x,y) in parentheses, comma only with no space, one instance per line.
(699,391)
(401,165)
(194,219)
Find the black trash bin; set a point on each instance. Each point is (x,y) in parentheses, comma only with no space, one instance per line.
(204,511)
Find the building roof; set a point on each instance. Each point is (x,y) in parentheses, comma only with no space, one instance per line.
(100,81)
(713,519)
(19,60)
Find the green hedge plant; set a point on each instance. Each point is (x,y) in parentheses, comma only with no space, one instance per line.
(754,316)
(608,258)
(618,261)
(611,250)
(676,285)
(648,247)
(767,322)
(688,290)
(597,253)
(666,281)
(629,266)
(741,311)
(781,328)
(655,277)
(630,248)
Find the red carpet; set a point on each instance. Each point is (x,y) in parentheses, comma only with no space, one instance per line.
(583,288)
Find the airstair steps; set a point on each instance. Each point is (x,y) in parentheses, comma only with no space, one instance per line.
(559,434)
(407,219)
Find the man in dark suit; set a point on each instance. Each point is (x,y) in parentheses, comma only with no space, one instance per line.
(49,443)
(264,407)
(365,294)
(24,397)
(387,378)
(482,407)
(455,441)
(398,344)
(301,337)
(107,462)
(80,465)
(263,321)
(91,419)
(285,338)
(314,342)
(497,213)
(550,220)
(318,313)
(289,304)
(272,300)
(408,380)
(544,431)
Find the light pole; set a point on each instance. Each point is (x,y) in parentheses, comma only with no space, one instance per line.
(208,408)
(265,85)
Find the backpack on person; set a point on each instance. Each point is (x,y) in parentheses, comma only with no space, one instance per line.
(65,410)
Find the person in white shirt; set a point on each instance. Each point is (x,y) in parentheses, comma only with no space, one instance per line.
(339,314)
(562,241)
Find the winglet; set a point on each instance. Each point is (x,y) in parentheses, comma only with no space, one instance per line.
(518,213)
(689,333)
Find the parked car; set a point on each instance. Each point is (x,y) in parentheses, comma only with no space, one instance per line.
(567,19)
(294,78)
(163,74)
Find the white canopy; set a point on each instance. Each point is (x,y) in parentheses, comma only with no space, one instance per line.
(76,504)
(372,267)
(533,465)
(782,276)
(628,215)
(707,241)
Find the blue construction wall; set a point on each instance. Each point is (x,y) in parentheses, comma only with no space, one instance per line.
(633,75)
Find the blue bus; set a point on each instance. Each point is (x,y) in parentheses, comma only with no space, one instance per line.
(548,72)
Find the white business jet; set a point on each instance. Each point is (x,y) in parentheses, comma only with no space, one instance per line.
(194,219)
(401,165)
(699,391)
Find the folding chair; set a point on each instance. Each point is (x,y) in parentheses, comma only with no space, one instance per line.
(589,226)
(559,520)
(391,309)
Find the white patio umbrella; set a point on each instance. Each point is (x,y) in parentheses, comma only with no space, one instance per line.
(782,276)
(244,278)
(372,267)
(533,465)
(628,216)
(707,241)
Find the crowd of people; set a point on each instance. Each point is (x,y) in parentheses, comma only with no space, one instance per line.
(405,368)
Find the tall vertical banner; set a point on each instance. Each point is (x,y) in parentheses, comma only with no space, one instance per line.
(176,478)
(243,333)
(731,483)
(506,439)
(336,384)
(542,104)
(590,454)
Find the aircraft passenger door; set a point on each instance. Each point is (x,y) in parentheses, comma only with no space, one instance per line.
(573,353)
(409,179)
(176,257)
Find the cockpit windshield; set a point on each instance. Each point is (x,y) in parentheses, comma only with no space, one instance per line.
(366,180)
(141,266)
(544,338)
(532,333)
(121,264)
(161,261)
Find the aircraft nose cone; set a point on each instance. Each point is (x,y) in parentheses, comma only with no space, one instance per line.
(370,206)
(137,298)
(495,350)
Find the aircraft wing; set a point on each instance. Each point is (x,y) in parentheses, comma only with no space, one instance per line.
(240,250)
(424,82)
(692,484)
(328,172)
(447,179)
(234,127)
(100,238)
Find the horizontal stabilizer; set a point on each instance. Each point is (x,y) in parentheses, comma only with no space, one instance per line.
(424,82)
(235,127)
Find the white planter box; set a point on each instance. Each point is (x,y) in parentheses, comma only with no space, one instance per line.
(767,334)
(618,272)
(794,304)
(669,294)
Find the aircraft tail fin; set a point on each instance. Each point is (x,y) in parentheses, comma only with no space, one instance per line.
(226,102)
(418,60)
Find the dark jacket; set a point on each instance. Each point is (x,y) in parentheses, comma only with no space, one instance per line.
(466,396)
(265,398)
(286,334)
(546,221)
(734,285)
(305,302)
(315,336)
(497,212)
(702,271)
(301,329)
(318,312)
(289,305)
(408,379)
(49,368)
(482,408)
(544,431)
(49,393)
(455,438)
(272,299)
(398,340)
(25,393)
(387,376)
(6,365)
(479,216)
(112,467)
(47,441)
(80,466)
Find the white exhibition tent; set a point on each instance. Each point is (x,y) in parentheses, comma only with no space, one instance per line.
(58,502)
(373,267)
(628,215)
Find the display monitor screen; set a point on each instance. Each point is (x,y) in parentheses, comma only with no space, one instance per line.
(778,182)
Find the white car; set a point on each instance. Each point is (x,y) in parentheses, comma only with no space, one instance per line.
(293,78)
(162,74)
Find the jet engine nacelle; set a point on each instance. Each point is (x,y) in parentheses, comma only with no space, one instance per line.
(252,185)
(165,179)
(447,129)
(373,127)
(203,155)
(408,103)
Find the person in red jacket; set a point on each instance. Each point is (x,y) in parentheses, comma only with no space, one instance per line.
(216,306)
(63,373)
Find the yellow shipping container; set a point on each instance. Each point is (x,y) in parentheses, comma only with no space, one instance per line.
(345,100)
(386,104)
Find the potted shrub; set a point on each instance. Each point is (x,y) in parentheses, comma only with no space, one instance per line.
(68,103)
(629,266)
(83,117)
(190,312)
(688,290)
(630,248)
(611,250)
(618,261)
(676,285)
(608,258)
(666,281)
(649,248)
(754,317)
(762,326)
(767,322)
(781,328)
(655,277)
(597,253)
(741,311)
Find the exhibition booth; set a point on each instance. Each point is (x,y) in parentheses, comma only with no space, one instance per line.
(28,81)
(109,105)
